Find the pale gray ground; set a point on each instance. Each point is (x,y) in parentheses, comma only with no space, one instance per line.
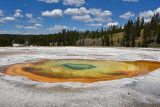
(142,91)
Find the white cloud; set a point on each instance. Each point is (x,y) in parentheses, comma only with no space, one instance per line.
(38,25)
(1,13)
(27,27)
(8,18)
(131,0)
(18,13)
(103,20)
(49,1)
(29,15)
(39,18)
(92,24)
(76,11)
(147,20)
(3,32)
(54,13)
(18,10)
(112,24)
(99,13)
(30,27)
(3,20)
(74,28)
(76,3)
(157,10)
(15,32)
(57,27)
(127,15)
(88,18)
(85,18)
(19,26)
(10,32)
(148,14)
(84,15)
(32,20)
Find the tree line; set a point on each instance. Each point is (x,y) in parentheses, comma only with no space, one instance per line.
(63,38)
(147,33)
(135,34)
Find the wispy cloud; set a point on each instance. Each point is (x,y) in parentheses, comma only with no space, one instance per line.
(127,15)
(93,24)
(131,0)
(49,1)
(57,27)
(76,3)
(26,27)
(1,13)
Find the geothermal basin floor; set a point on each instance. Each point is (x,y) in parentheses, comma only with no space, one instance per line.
(141,91)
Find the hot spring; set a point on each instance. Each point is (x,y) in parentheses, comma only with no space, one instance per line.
(84,71)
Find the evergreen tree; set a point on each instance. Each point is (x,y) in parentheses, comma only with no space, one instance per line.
(122,42)
(139,44)
(102,41)
(133,37)
(138,29)
(142,23)
(158,36)
(127,33)
(112,42)
(107,40)
(5,42)
(145,35)
(118,40)
(153,28)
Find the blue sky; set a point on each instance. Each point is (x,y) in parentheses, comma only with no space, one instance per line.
(51,16)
